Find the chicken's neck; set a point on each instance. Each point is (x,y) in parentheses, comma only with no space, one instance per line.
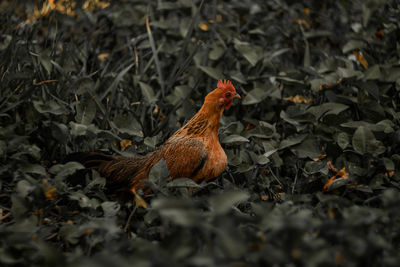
(204,123)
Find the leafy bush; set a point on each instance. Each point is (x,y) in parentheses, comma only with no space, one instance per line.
(313,148)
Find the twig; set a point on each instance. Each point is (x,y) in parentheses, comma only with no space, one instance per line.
(128,222)
(295,179)
(181,65)
(153,48)
(5,216)
(306,59)
(276,178)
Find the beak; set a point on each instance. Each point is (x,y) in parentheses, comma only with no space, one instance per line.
(237,96)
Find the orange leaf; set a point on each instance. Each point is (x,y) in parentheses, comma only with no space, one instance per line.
(243,19)
(320,157)
(203,26)
(296,254)
(50,192)
(102,57)
(342,174)
(156,110)
(379,35)
(303,22)
(299,99)
(249,126)
(306,11)
(361,59)
(389,173)
(87,232)
(339,259)
(125,143)
(139,201)
(328,85)
(331,213)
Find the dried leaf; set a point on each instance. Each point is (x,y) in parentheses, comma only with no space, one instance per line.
(299,99)
(320,157)
(339,175)
(103,56)
(50,192)
(203,26)
(125,143)
(361,59)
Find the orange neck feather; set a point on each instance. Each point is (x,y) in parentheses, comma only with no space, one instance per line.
(206,120)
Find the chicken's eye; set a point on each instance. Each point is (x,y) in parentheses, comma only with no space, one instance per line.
(228,95)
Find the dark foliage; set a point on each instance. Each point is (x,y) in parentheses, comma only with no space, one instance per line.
(313,148)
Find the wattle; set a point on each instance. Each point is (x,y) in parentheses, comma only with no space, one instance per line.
(228,105)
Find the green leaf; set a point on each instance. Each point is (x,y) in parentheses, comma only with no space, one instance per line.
(19,205)
(49,107)
(373,73)
(45,60)
(308,148)
(24,188)
(262,130)
(250,52)
(349,73)
(255,96)
(159,171)
(262,159)
(312,167)
(34,168)
(389,164)
(147,93)
(152,141)
(126,123)
(292,140)
(64,170)
(379,127)
(234,138)
(342,139)
(224,202)
(77,129)
(60,132)
(215,73)
(84,201)
(283,115)
(183,182)
(352,45)
(85,112)
(116,81)
(5,42)
(70,233)
(110,208)
(327,109)
(362,136)
(179,211)
(270,152)
(216,52)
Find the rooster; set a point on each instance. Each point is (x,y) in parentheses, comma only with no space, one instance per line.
(193,151)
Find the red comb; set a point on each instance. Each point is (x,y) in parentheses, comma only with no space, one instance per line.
(225,84)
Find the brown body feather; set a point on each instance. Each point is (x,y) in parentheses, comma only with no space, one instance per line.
(193,151)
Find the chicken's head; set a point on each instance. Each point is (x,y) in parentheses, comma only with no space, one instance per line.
(226,93)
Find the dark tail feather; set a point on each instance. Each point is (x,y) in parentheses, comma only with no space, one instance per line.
(89,159)
(118,171)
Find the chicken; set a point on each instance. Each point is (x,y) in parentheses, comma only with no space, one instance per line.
(193,151)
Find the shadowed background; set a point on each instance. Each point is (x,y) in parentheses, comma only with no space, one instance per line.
(313,147)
